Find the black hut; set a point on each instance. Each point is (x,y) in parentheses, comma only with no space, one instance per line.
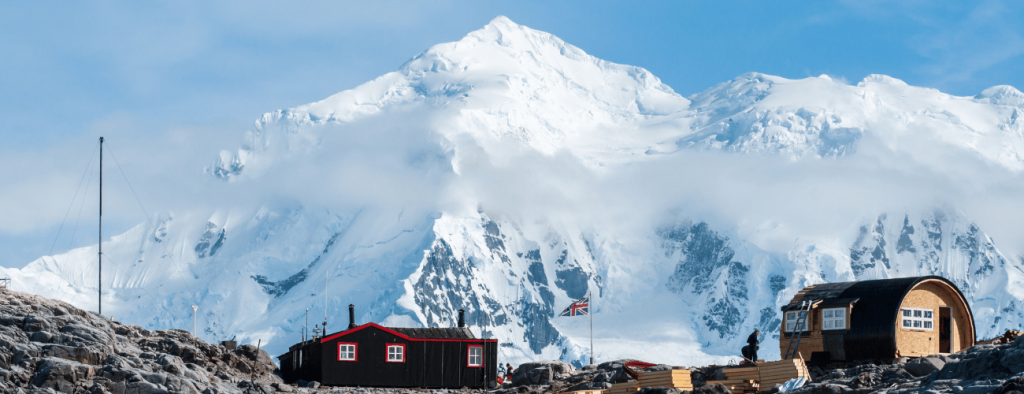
(370,355)
(878,319)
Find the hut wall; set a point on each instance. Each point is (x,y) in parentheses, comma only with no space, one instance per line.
(811,342)
(371,369)
(815,341)
(933,295)
(428,363)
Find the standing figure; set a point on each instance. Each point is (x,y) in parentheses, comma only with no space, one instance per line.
(752,343)
(508,372)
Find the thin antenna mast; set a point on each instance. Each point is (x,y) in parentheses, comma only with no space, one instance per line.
(99,287)
(590,309)
(326,287)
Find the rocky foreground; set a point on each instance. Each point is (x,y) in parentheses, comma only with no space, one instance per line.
(48,346)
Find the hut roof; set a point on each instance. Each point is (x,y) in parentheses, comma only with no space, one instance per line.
(435,333)
(416,334)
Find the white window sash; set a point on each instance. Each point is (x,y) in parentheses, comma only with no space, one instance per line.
(475,355)
(396,353)
(918,319)
(791,319)
(347,352)
(833,319)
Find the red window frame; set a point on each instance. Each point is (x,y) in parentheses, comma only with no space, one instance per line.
(387,352)
(469,351)
(355,351)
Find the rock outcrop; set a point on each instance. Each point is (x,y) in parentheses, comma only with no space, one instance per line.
(49,346)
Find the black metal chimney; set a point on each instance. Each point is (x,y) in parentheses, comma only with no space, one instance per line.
(351,316)
(462,318)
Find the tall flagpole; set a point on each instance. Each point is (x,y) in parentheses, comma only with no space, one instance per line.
(591,308)
(99,287)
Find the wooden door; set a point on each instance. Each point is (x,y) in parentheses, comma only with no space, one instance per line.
(945,330)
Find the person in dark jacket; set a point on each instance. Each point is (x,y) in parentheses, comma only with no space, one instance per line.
(752,343)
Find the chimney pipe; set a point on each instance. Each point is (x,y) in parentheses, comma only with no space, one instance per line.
(351,316)
(462,318)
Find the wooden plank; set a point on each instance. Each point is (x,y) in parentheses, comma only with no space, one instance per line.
(677,379)
(663,383)
(741,369)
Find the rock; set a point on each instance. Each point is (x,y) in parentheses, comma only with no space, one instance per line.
(41,336)
(924,366)
(313,385)
(865,380)
(1013,359)
(979,389)
(1013,384)
(47,347)
(830,389)
(60,375)
(539,373)
(36,323)
(284,388)
(716,388)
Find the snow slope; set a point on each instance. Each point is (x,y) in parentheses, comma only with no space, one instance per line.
(510,173)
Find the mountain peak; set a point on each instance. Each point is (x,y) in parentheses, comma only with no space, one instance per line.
(881,79)
(1001,95)
(502,22)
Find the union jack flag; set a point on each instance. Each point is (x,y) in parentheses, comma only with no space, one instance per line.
(581,307)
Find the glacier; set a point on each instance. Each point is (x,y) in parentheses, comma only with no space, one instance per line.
(510,173)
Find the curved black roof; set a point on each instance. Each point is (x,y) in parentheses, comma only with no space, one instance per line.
(873,320)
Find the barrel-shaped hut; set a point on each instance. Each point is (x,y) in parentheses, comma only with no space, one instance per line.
(878,320)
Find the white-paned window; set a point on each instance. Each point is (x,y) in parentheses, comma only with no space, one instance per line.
(396,353)
(917,319)
(833,319)
(476,356)
(346,352)
(791,319)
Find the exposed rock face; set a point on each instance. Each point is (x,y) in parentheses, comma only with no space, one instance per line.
(980,369)
(50,346)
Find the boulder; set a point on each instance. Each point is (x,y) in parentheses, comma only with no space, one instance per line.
(1013,359)
(1013,384)
(716,388)
(60,375)
(924,366)
(41,336)
(539,373)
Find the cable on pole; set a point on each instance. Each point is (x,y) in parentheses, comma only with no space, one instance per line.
(88,166)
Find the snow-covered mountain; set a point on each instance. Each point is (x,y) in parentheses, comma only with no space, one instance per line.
(510,173)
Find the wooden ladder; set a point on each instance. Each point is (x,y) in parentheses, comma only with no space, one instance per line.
(794,340)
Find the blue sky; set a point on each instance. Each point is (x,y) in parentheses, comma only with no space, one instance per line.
(66,67)
(162,71)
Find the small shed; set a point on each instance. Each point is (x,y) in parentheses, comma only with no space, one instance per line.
(371,355)
(879,319)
